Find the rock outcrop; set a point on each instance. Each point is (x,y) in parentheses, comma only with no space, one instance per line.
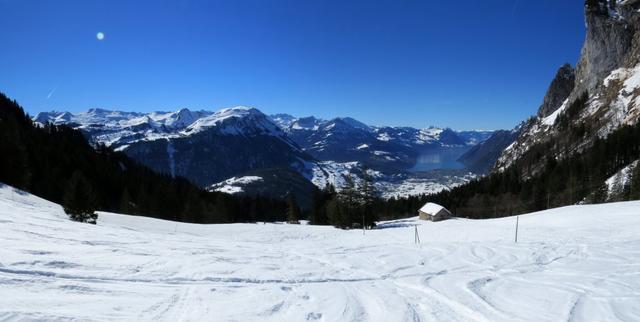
(609,38)
(560,88)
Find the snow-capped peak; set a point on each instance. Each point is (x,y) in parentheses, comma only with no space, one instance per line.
(354,123)
(248,118)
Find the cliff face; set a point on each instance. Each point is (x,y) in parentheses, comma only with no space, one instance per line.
(599,96)
(560,88)
(609,39)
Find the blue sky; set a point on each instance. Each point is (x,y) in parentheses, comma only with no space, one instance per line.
(463,64)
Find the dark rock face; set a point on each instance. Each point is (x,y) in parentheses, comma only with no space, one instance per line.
(558,91)
(209,157)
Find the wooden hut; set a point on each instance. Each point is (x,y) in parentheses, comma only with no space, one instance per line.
(434,212)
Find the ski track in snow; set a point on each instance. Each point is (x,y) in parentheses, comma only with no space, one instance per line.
(578,263)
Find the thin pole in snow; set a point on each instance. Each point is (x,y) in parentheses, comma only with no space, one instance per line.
(363,224)
(517,222)
(417,236)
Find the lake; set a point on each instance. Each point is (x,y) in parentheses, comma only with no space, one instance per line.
(439,158)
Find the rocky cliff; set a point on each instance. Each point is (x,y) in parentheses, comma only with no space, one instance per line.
(560,88)
(596,98)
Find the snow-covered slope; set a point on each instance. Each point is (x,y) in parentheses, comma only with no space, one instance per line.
(234,185)
(577,263)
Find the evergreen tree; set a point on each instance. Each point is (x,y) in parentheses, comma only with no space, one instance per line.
(600,194)
(336,212)
(293,210)
(367,195)
(126,204)
(617,189)
(348,202)
(79,199)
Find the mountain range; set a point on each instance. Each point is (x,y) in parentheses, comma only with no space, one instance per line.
(219,150)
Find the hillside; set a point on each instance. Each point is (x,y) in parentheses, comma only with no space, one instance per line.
(573,263)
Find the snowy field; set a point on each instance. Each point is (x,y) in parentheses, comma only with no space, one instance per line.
(577,263)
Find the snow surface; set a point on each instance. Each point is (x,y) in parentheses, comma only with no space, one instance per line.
(234,185)
(240,112)
(578,263)
(551,119)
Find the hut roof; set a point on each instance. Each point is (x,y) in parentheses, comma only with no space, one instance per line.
(431,208)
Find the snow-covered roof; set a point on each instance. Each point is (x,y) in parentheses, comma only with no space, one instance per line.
(431,208)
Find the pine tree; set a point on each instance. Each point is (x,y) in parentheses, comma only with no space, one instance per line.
(367,196)
(600,194)
(293,211)
(126,204)
(348,199)
(79,199)
(617,189)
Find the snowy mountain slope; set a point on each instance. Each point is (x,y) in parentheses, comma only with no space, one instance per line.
(576,263)
(234,185)
(619,182)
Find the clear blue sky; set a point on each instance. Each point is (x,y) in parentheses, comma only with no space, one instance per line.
(466,64)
